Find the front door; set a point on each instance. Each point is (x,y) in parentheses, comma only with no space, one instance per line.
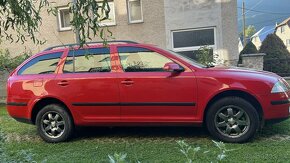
(149,93)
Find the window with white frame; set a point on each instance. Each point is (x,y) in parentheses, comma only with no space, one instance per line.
(111,20)
(288,42)
(282,28)
(64,19)
(188,42)
(135,13)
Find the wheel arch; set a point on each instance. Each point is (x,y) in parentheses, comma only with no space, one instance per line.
(237,93)
(44,102)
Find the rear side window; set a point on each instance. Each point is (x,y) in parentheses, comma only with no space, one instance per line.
(134,59)
(44,64)
(88,61)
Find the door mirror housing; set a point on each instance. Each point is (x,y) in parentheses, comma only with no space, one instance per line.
(173,67)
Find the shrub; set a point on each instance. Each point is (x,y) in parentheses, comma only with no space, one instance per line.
(277,55)
(206,56)
(9,63)
(250,48)
(274,47)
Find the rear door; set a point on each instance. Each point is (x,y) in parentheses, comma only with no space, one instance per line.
(90,86)
(150,94)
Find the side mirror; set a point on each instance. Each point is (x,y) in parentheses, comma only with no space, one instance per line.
(173,67)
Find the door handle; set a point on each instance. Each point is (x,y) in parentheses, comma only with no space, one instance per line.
(127,82)
(63,83)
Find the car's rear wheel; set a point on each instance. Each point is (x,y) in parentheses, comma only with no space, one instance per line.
(54,123)
(233,120)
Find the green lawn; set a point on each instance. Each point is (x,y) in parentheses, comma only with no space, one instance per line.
(141,144)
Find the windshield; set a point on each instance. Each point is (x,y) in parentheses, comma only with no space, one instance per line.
(187,59)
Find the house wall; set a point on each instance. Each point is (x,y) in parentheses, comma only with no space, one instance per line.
(257,42)
(152,30)
(285,35)
(47,31)
(196,14)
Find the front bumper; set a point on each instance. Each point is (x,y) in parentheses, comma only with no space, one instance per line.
(276,106)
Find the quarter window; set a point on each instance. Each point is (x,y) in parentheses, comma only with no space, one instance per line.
(141,60)
(45,64)
(88,61)
(135,11)
(188,42)
(64,19)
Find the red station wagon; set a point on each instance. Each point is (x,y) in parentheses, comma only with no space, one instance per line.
(131,84)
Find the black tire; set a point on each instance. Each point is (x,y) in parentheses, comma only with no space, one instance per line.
(59,128)
(232,120)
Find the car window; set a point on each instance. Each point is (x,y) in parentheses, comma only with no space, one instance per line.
(88,61)
(134,59)
(44,64)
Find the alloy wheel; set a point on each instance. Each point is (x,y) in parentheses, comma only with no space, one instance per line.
(52,124)
(232,121)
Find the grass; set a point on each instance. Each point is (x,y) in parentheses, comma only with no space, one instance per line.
(154,144)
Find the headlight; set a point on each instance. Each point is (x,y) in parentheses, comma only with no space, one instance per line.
(279,87)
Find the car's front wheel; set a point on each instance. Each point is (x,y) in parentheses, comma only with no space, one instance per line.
(233,120)
(54,123)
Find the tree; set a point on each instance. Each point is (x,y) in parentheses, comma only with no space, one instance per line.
(274,47)
(250,31)
(277,55)
(23,17)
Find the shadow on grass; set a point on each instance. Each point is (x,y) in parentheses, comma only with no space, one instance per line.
(270,131)
(140,132)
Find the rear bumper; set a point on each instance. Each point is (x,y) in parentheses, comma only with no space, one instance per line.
(19,111)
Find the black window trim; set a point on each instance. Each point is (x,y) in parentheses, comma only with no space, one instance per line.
(73,56)
(149,49)
(36,56)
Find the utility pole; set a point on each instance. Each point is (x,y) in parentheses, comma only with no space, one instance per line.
(77,32)
(244,24)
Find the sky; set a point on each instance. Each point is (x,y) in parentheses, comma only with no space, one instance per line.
(262,13)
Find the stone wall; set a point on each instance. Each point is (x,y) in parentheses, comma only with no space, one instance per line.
(3,79)
(253,61)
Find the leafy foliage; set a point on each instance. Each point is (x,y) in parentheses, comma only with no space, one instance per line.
(205,55)
(24,18)
(191,153)
(277,56)
(250,31)
(118,158)
(86,15)
(9,63)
